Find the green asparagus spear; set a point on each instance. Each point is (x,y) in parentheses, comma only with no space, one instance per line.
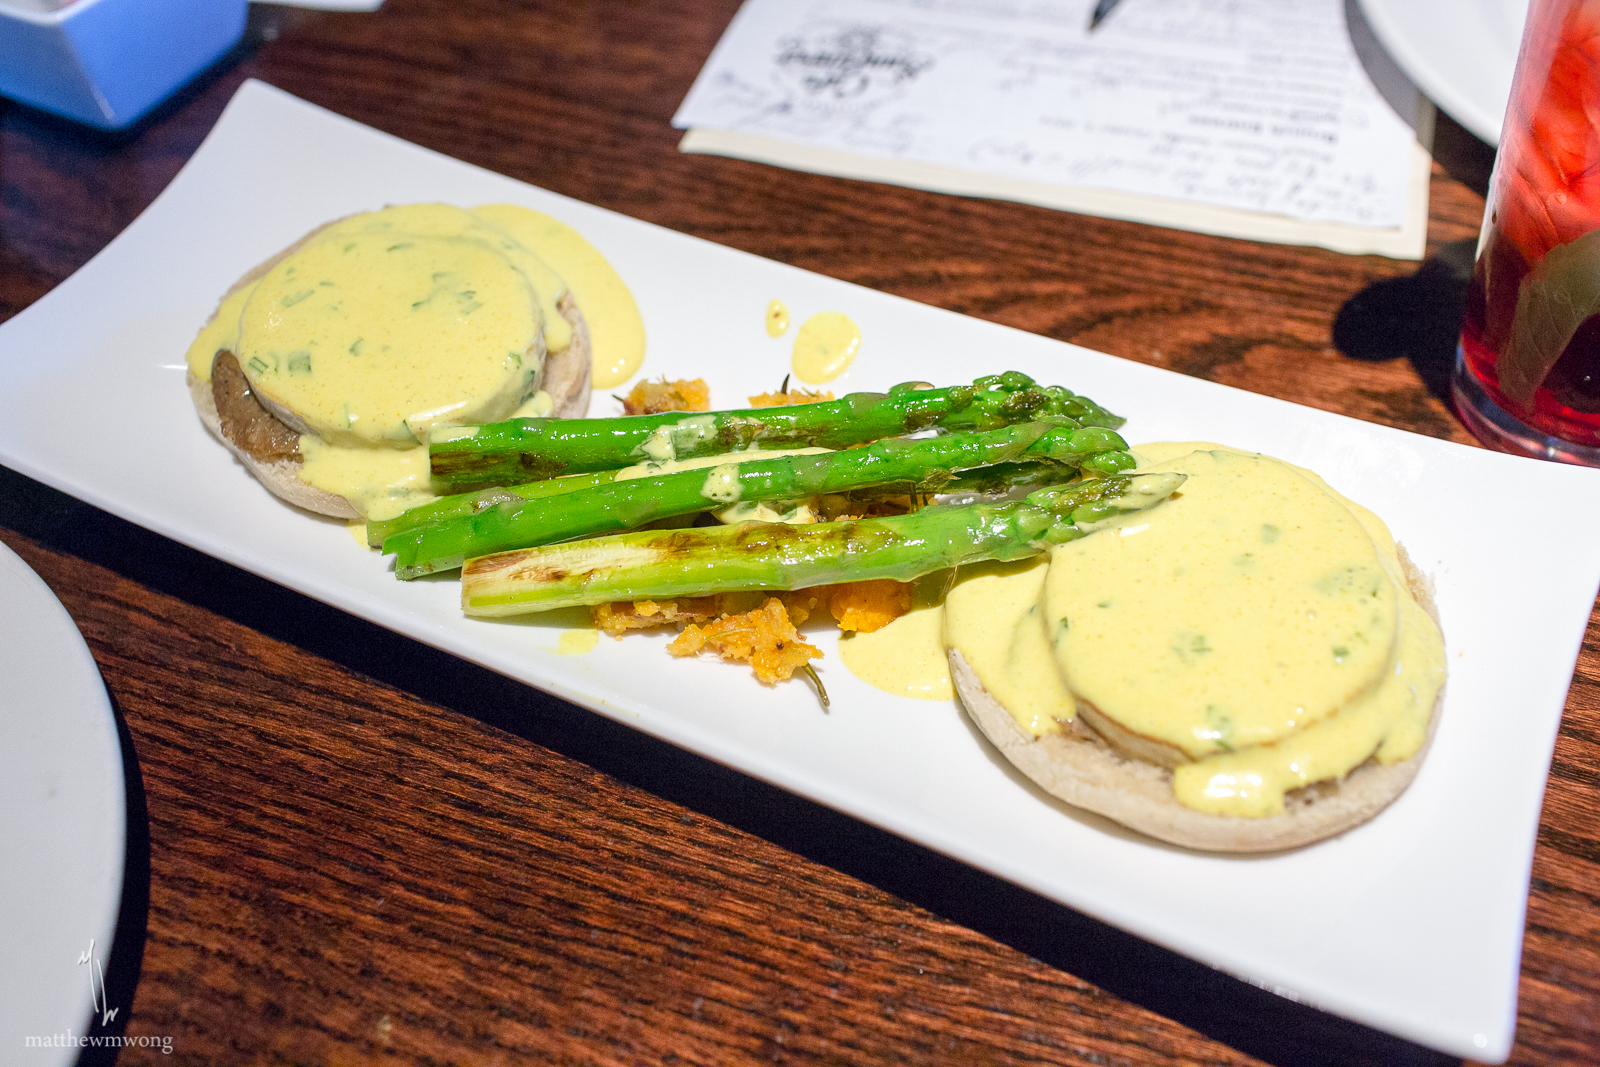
(468,504)
(522,450)
(999,479)
(1003,480)
(994,484)
(671,563)
(923,465)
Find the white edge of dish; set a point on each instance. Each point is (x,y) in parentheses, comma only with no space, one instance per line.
(1476,100)
(63,821)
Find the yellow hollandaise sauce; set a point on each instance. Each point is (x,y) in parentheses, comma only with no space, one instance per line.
(1250,605)
(222,332)
(372,338)
(449,221)
(379,482)
(1255,632)
(577,642)
(906,656)
(992,615)
(777,319)
(386,324)
(616,329)
(825,346)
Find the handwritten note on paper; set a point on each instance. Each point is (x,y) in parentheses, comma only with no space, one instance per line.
(1256,105)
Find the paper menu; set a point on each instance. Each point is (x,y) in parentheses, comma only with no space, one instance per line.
(1252,118)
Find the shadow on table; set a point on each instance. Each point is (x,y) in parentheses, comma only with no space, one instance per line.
(1250,1019)
(1417,317)
(1464,157)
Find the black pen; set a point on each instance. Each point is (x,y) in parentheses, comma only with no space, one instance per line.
(1102,8)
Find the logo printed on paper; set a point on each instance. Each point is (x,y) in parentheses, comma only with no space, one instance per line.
(851,62)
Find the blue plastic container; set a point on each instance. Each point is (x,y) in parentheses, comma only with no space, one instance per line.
(108,62)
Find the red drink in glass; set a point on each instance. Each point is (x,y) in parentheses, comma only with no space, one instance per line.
(1528,375)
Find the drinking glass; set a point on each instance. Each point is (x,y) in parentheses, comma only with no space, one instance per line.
(1527,375)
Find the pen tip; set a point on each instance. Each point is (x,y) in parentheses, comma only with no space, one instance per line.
(1098,13)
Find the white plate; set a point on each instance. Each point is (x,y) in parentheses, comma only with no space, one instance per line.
(1411,923)
(1460,52)
(62,821)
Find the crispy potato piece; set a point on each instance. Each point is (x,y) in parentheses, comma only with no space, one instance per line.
(868,606)
(653,398)
(765,638)
(801,604)
(789,396)
(618,618)
(861,606)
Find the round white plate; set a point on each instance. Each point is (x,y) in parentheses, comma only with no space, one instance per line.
(1460,52)
(62,825)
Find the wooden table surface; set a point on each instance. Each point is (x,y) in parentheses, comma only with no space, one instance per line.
(348,848)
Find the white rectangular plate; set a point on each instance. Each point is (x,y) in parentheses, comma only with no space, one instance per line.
(1411,923)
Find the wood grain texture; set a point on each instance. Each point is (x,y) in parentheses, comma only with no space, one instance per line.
(363,851)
